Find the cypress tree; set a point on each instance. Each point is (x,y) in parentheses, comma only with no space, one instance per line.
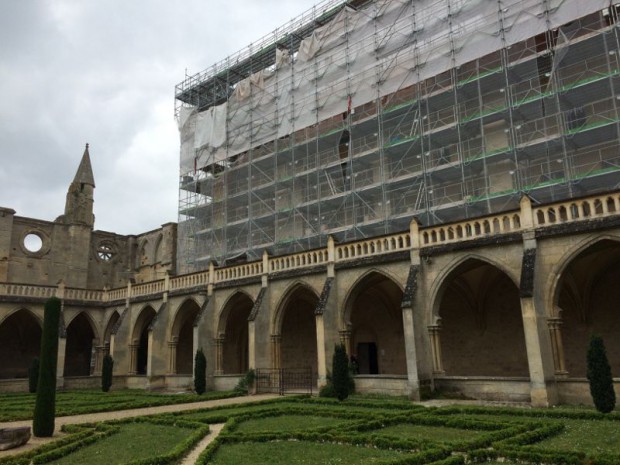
(33,375)
(599,375)
(340,372)
(106,373)
(45,406)
(200,372)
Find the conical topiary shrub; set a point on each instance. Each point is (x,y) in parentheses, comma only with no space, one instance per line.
(340,372)
(599,375)
(106,373)
(200,372)
(45,407)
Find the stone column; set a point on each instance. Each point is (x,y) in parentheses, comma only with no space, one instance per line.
(557,346)
(434,333)
(345,340)
(413,379)
(100,352)
(219,354)
(172,356)
(320,350)
(60,362)
(133,357)
(251,345)
(541,395)
(149,355)
(276,339)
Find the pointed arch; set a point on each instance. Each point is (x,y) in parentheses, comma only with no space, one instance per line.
(142,257)
(373,323)
(140,340)
(343,317)
(81,337)
(477,318)
(157,253)
(585,297)
(294,288)
(293,329)
(559,270)
(182,338)
(438,286)
(109,327)
(20,333)
(232,333)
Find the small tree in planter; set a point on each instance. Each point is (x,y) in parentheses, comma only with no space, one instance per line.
(45,406)
(599,375)
(340,372)
(33,375)
(200,372)
(106,373)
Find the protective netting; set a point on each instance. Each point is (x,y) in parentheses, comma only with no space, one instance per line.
(395,89)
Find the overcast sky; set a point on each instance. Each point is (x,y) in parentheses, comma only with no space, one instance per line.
(104,72)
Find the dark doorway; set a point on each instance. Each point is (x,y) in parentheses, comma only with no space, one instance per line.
(143,351)
(367,358)
(78,359)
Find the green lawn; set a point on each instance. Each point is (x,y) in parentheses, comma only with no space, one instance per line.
(431,433)
(133,441)
(289,423)
(301,430)
(20,406)
(590,436)
(295,452)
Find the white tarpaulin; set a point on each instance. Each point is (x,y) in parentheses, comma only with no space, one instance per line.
(360,56)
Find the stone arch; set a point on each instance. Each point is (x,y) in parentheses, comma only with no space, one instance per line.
(20,333)
(232,334)
(478,323)
(585,298)
(344,315)
(142,254)
(294,329)
(140,340)
(373,324)
(181,341)
(107,333)
(558,271)
(438,286)
(157,253)
(81,340)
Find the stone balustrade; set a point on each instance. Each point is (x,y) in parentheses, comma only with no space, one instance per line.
(83,294)
(577,210)
(187,281)
(373,246)
(153,287)
(527,217)
(116,294)
(471,229)
(246,270)
(298,260)
(27,290)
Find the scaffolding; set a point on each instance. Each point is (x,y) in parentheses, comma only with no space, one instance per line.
(357,117)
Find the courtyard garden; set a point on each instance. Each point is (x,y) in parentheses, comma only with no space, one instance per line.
(305,430)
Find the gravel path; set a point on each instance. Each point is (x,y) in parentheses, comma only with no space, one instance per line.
(191,458)
(139,412)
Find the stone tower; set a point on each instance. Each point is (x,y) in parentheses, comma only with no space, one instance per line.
(80,199)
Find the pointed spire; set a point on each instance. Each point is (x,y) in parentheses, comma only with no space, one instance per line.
(84,174)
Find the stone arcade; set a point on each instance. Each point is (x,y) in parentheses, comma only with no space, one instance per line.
(497,307)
